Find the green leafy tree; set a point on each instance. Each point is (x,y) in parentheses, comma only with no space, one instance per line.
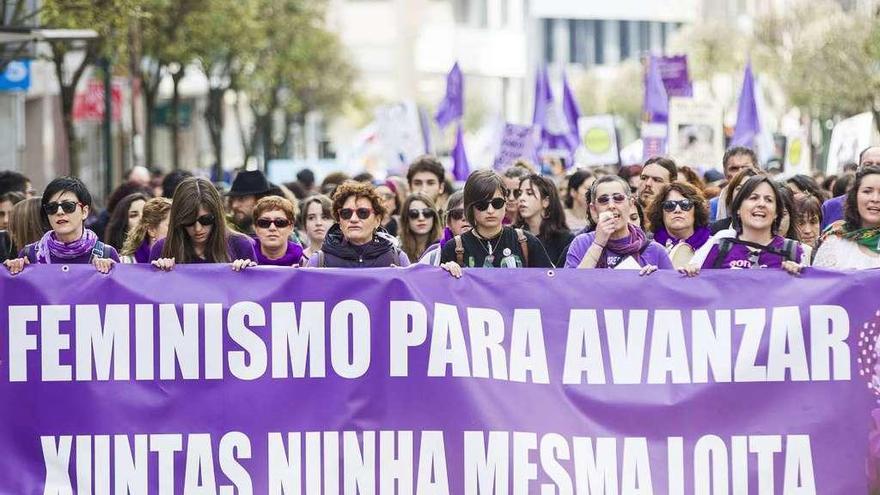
(110,19)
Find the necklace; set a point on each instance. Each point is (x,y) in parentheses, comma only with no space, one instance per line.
(490,250)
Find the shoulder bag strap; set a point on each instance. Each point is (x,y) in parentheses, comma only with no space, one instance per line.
(459,251)
(523,246)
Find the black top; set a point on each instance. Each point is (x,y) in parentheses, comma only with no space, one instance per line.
(506,251)
(391,228)
(557,246)
(719,225)
(7,250)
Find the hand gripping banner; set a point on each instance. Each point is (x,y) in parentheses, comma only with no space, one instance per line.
(407,381)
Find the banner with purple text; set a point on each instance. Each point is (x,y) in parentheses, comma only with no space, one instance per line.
(401,381)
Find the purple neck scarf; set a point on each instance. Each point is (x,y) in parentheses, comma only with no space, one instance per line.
(291,257)
(447,236)
(696,240)
(142,255)
(49,246)
(626,246)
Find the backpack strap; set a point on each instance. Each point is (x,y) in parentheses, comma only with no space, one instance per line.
(459,251)
(32,252)
(789,247)
(395,256)
(320,255)
(97,251)
(724,246)
(523,246)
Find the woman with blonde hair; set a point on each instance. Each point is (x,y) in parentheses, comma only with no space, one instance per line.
(152,227)
(197,231)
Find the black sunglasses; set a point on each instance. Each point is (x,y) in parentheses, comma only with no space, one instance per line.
(414,214)
(606,198)
(265,223)
(515,192)
(497,203)
(348,213)
(456,214)
(685,205)
(66,207)
(204,221)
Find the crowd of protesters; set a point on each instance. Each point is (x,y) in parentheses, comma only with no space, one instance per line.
(657,215)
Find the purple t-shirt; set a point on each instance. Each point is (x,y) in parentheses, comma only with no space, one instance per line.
(654,254)
(741,257)
(239,247)
(30,253)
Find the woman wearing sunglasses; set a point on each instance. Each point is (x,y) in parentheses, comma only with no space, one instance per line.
(757,212)
(540,212)
(197,231)
(65,205)
(616,242)
(355,241)
(273,223)
(679,219)
(456,224)
(419,225)
(489,244)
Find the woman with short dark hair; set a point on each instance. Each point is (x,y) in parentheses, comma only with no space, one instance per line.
(756,212)
(355,240)
(66,204)
(577,214)
(541,213)
(197,231)
(854,242)
(490,244)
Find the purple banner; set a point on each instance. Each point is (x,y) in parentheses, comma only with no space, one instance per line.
(283,381)
(517,141)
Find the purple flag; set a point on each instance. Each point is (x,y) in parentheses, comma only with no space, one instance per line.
(460,168)
(656,105)
(204,380)
(674,72)
(452,106)
(556,132)
(747,123)
(572,114)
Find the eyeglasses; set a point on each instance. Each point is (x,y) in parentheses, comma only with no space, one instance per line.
(204,221)
(66,207)
(604,199)
(516,193)
(348,213)
(414,214)
(685,205)
(456,214)
(497,203)
(265,223)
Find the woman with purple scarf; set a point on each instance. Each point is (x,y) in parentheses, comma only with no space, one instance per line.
(66,205)
(679,219)
(616,243)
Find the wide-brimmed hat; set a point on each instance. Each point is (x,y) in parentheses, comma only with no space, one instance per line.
(249,183)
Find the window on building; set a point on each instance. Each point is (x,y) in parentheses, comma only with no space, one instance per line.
(599,40)
(548,41)
(625,51)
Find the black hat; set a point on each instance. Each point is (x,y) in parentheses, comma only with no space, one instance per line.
(249,183)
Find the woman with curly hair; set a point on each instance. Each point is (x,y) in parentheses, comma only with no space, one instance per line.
(679,219)
(355,241)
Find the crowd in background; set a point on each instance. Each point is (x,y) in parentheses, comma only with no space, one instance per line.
(658,215)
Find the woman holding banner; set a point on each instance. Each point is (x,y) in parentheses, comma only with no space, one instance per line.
(757,213)
(490,244)
(197,231)
(679,219)
(66,205)
(616,242)
(854,242)
(355,241)
(541,213)
(153,226)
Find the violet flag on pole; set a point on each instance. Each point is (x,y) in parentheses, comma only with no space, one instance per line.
(747,123)
(656,104)
(556,133)
(572,114)
(452,106)
(460,167)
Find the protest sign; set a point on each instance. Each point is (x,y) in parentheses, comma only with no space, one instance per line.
(696,136)
(517,141)
(598,144)
(312,381)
